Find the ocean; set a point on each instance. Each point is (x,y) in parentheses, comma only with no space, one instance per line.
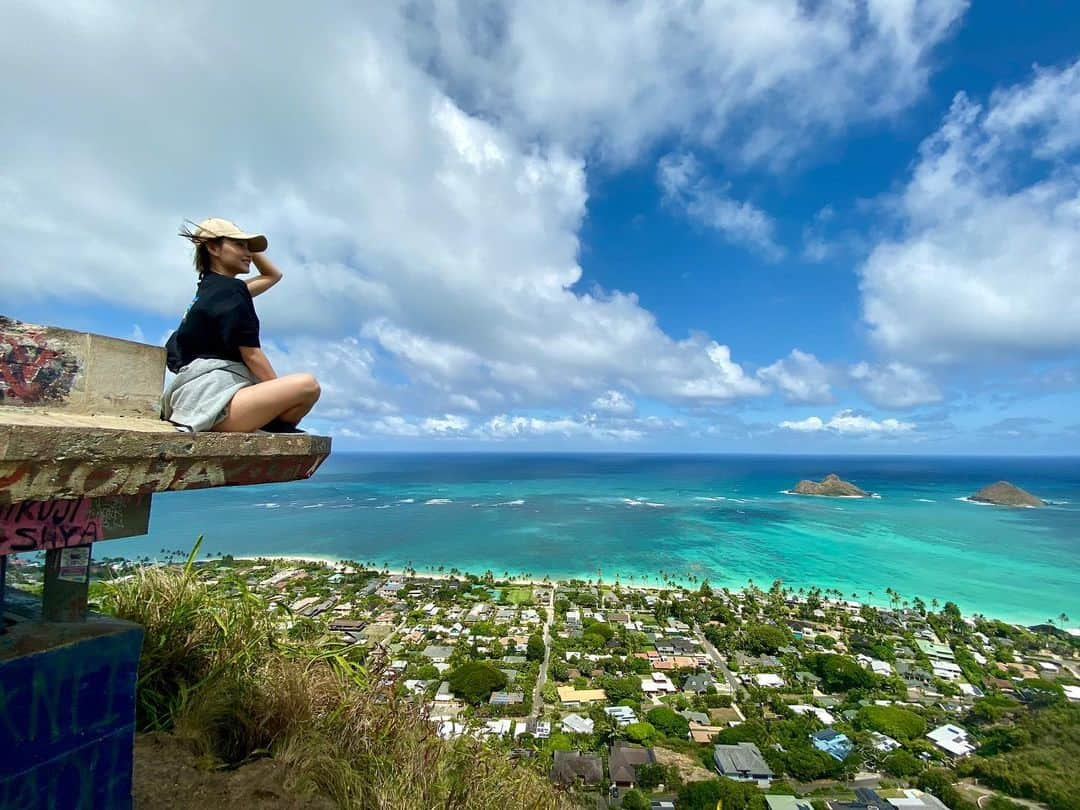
(647,518)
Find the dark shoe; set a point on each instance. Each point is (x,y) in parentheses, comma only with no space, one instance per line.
(276,425)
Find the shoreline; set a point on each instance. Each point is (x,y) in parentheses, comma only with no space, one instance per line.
(339,564)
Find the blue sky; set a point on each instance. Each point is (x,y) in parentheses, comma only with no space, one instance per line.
(848,227)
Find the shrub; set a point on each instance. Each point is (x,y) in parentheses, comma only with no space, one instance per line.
(640,732)
(634,800)
(668,722)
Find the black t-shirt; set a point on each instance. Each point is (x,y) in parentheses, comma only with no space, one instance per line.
(219,321)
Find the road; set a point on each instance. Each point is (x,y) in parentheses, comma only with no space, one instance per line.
(719,661)
(538,697)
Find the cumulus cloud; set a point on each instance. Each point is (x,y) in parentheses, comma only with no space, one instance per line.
(685,185)
(986,264)
(614,402)
(765,78)
(849,423)
(428,251)
(800,376)
(895,385)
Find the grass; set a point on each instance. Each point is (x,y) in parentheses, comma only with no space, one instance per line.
(518,595)
(215,671)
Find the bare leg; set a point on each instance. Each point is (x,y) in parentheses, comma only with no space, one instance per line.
(254,406)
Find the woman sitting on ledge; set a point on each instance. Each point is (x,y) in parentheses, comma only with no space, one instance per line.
(223,380)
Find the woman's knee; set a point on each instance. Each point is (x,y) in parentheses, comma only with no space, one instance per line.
(307,387)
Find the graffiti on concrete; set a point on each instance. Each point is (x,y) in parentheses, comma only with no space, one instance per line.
(31,371)
(22,480)
(48,524)
(67,721)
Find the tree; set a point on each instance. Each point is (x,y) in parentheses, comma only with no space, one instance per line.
(652,775)
(708,796)
(634,800)
(764,638)
(475,681)
(668,722)
(619,689)
(902,764)
(535,650)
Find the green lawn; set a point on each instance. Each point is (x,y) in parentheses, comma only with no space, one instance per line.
(520,595)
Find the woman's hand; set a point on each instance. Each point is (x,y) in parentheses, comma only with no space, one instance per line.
(269,275)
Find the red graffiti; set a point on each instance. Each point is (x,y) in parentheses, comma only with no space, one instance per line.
(26,480)
(31,371)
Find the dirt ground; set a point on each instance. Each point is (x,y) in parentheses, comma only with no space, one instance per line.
(167,777)
(690,769)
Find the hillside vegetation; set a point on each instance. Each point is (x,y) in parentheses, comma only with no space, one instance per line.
(216,672)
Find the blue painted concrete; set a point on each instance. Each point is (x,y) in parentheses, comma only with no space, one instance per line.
(67,713)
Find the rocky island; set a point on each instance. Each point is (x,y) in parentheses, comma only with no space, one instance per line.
(832,485)
(1005,494)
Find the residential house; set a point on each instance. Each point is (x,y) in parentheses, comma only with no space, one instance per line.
(624,761)
(821,714)
(438,655)
(833,743)
(506,698)
(883,742)
(656,683)
(952,739)
(577,697)
(743,762)
(621,715)
(787,803)
(576,724)
(571,767)
(702,683)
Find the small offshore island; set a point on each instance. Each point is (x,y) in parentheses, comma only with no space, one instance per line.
(1005,494)
(831,486)
(588,693)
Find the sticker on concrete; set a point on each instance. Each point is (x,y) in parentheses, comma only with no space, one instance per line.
(74,564)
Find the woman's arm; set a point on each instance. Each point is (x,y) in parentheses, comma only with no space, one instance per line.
(269,275)
(255,359)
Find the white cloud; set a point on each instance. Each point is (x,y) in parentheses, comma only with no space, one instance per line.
(895,385)
(849,423)
(810,424)
(614,402)
(765,77)
(986,265)
(444,425)
(430,253)
(684,184)
(800,376)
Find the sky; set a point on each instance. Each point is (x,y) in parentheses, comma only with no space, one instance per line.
(776,226)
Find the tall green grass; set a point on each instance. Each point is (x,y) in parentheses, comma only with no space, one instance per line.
(215,671)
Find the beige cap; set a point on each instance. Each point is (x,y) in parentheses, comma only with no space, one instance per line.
(215,227)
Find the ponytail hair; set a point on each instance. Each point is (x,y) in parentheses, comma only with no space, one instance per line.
(202,254)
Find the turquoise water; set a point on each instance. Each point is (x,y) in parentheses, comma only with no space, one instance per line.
(725,518)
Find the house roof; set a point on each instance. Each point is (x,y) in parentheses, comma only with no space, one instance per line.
(624,760)
(743,759)
(569,766)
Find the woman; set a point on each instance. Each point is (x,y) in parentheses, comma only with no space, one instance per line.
(223,380)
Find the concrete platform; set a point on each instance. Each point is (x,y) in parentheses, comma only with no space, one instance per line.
(79,419)
(55,455)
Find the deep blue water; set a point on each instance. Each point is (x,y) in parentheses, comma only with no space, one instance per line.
(724,518)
